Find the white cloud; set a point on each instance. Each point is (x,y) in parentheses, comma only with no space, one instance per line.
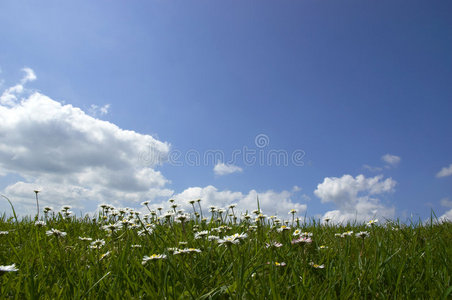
(9,96)
(270,202)
(95,110)
(355,197)
(447,216)
(372,169)
(446,171)
(76,158)
(224,169)
(29,75)
(391,160)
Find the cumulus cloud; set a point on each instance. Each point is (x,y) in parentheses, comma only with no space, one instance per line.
(10,96)
(391,160)
(355,197)
(224,169)
(446,171)
(270,202)
(73,156)
(95,110)
(447,216)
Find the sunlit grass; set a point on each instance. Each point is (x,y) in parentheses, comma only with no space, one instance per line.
(121,254)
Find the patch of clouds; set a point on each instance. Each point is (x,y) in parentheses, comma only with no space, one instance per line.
(296,188)
(221,169)
(10,95)
(372,169)
(444,172)
(270,202)
(95,110)
(447,216)
(75,158)
(391,160)
(355,197)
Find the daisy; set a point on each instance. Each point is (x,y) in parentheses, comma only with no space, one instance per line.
(4,232)
(303,240)
(97,244)
(56,233)
(152,257)
(40,223)
(201,234)
(273,244)
(10,268)
(362,234)
(85,238)
(104,255)
(283,228)
(316,266)
(372,222)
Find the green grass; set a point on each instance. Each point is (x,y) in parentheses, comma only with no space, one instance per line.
(394,262)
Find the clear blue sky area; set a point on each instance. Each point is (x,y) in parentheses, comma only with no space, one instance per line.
(353,87)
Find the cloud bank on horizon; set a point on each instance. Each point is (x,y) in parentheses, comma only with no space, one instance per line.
(78,159)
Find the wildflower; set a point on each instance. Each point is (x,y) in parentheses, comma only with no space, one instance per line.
(292,211)
(145,203)
(201,234)
(191,201)
(347,233)
(136,246)
(323,247)
(66,208)
(316,266)
(104,255)
(302,239)
(297,232)
(152,257)
(232,239)
(273,244)
(261,217)
(256,212)
(97,244)
(85,238)
(187,250)
(372,222)
(362,234)
(232,205)
(182,217)
(183,243)
(4,232)
(10,268)
(112,227)
(280,264)
(213,238)
(283,228)
(47,209)
(56,233)
(246,216)
(40,223)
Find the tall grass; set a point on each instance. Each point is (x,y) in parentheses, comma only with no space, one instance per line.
(266,259)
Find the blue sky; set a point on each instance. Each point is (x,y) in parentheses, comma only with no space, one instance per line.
(342,83)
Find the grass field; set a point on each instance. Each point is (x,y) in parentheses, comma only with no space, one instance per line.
(120,254)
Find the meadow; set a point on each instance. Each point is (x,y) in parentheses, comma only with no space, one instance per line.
(122,254)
